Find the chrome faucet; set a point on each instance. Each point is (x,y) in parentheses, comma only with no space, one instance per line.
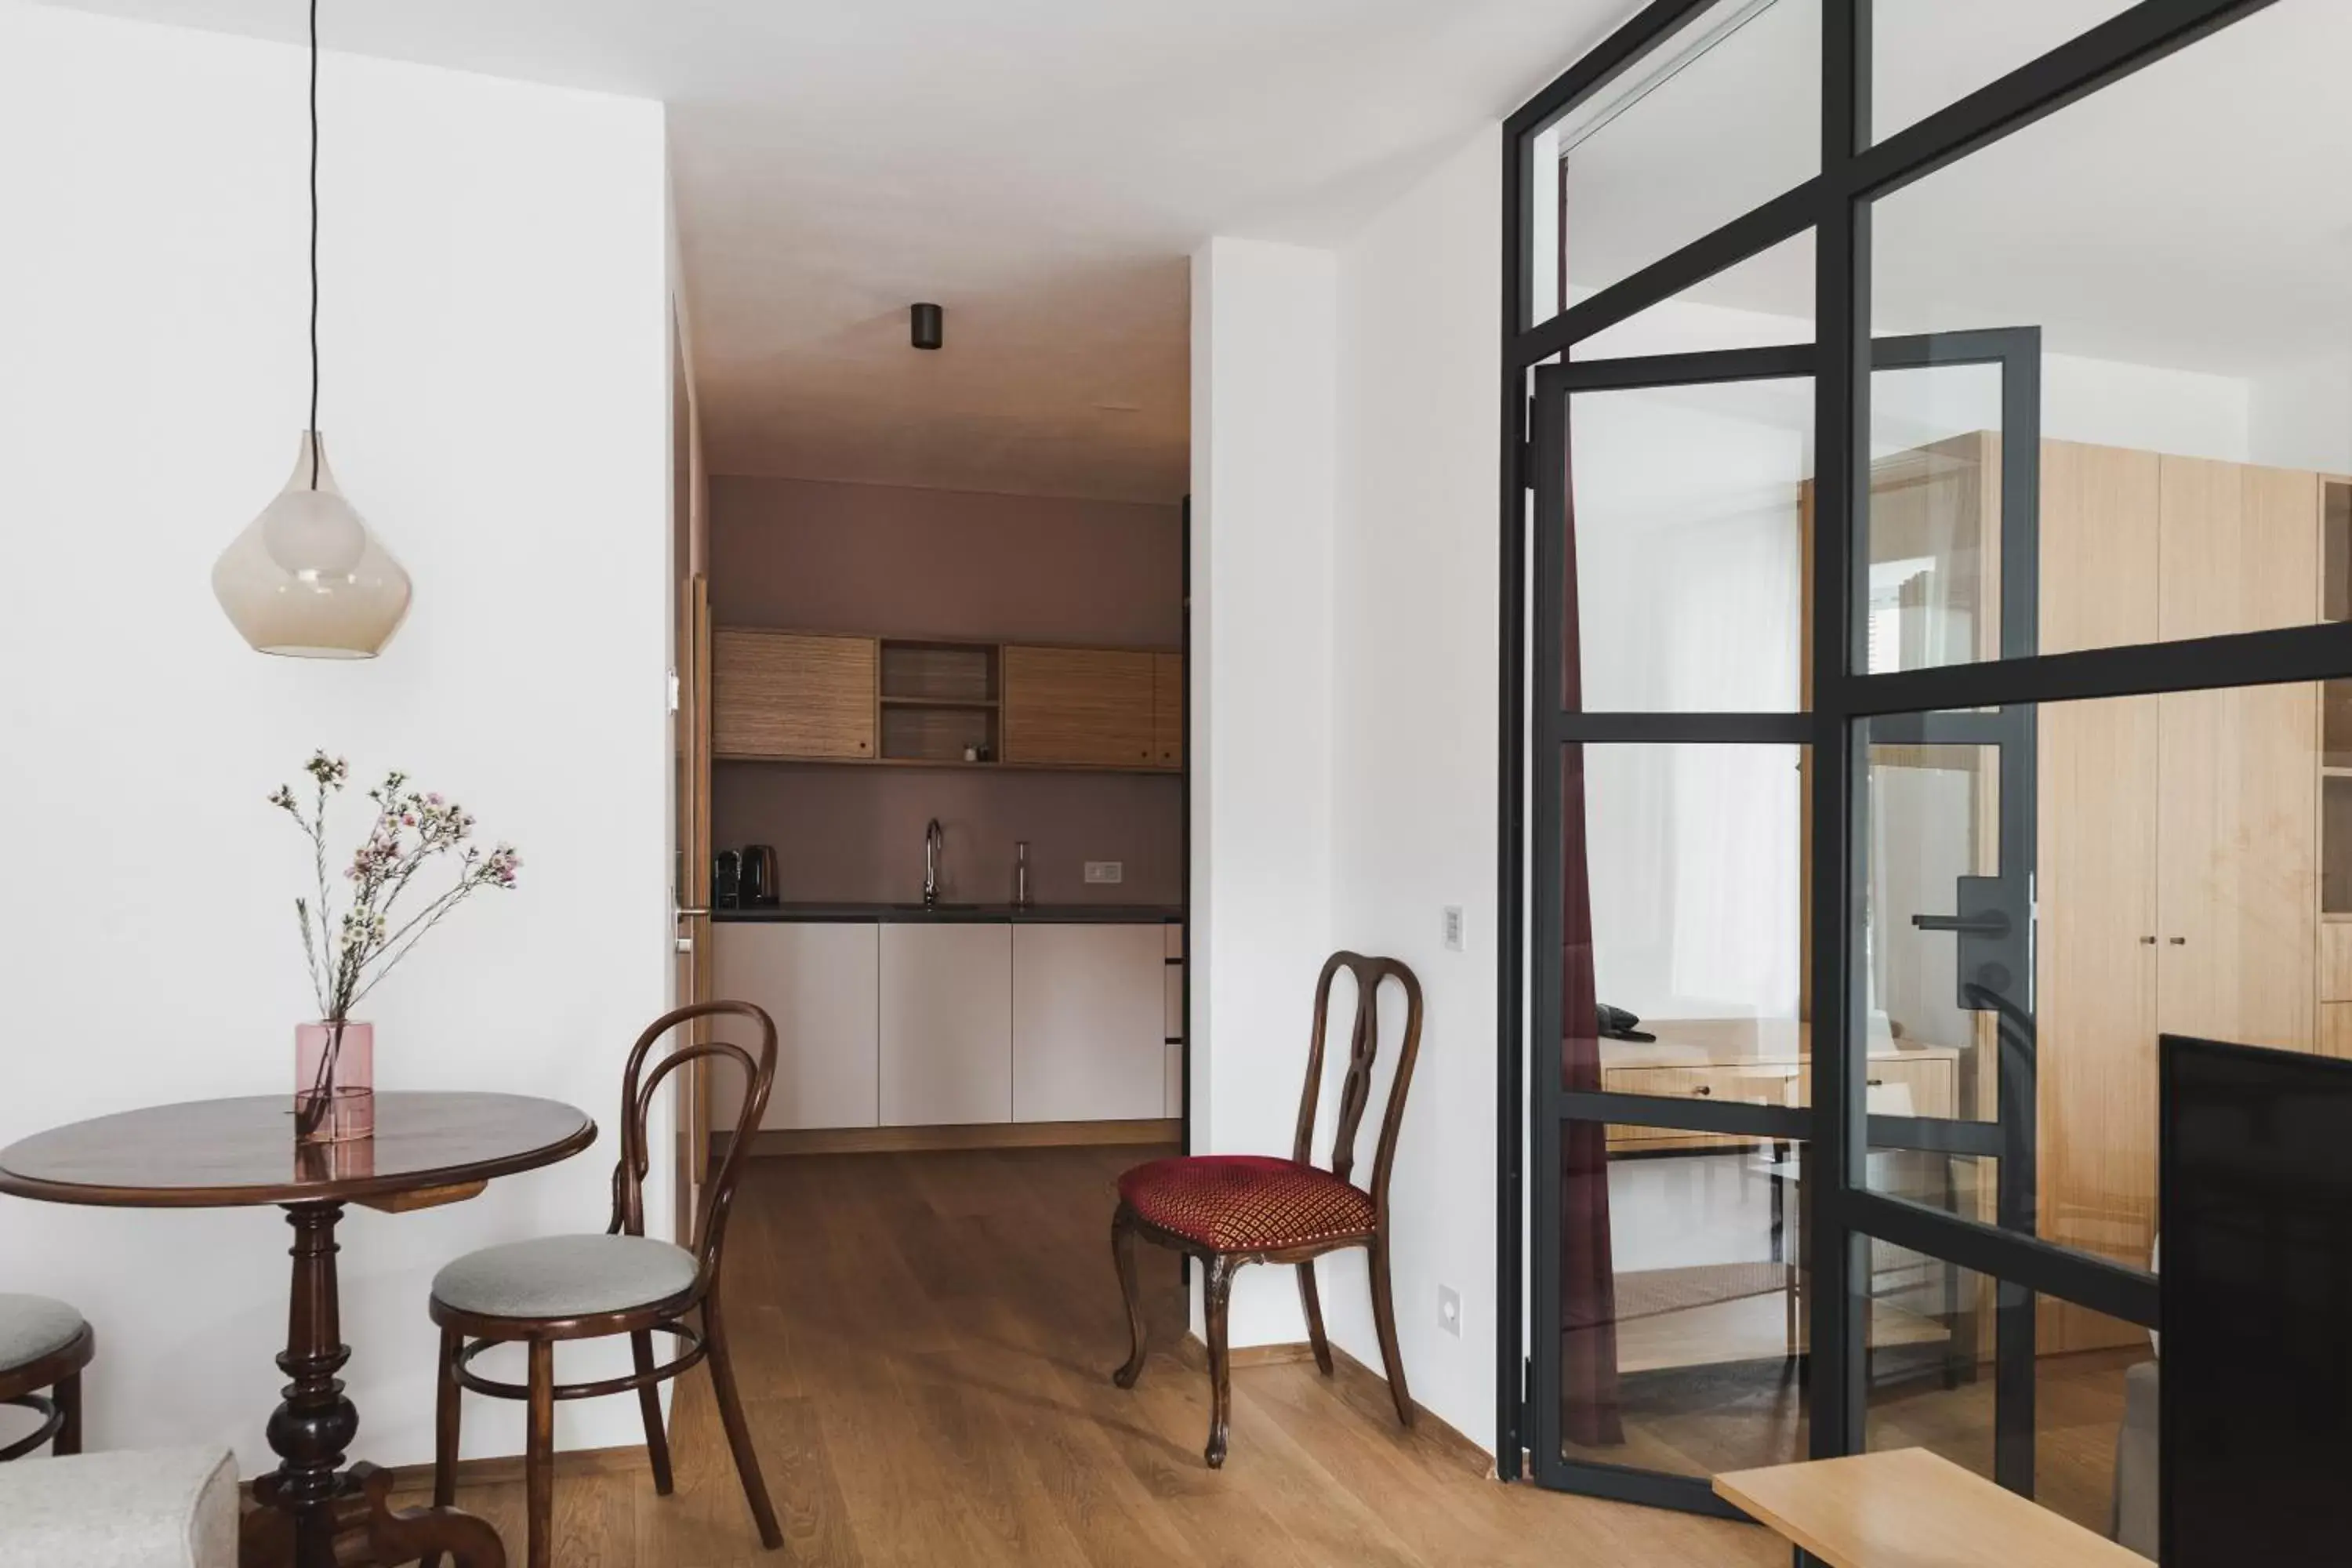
(935,847)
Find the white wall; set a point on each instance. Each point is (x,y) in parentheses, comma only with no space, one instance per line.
(1265,412)
(496,403)
(1414,563)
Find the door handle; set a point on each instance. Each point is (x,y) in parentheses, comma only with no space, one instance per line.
(684,914)
(1994,923)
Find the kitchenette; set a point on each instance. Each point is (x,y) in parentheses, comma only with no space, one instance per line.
(946,733)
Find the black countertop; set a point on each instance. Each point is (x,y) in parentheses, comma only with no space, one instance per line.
(963,914)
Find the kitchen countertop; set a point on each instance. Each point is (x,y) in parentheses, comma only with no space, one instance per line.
(964,914)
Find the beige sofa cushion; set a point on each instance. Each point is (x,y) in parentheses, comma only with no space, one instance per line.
(163,1508)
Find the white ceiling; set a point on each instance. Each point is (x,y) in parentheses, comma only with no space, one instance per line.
(1041,168)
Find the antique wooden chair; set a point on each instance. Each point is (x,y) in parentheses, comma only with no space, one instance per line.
(44,1343)
(621,1282)
(1231,1209)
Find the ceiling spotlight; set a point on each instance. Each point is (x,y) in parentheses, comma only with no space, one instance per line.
(928,325)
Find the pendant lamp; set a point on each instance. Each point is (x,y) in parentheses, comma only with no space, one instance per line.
(308,578)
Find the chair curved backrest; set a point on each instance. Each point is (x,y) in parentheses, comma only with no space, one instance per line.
(637,1104)
(1363,1049)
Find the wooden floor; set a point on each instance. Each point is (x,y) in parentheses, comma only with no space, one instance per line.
(925,1343)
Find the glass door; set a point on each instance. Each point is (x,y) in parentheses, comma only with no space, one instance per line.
(1673,1327)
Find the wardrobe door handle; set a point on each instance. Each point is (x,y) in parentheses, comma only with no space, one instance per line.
(1704,1089)
(2147,942)
(2180,941)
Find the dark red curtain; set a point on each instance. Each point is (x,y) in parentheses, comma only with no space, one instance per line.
(1588,1276)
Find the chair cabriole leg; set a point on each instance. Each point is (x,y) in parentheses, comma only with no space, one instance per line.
(1122,1254)
(1218,1288)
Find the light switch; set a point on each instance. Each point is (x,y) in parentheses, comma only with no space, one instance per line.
(1453,928)
(1105,871)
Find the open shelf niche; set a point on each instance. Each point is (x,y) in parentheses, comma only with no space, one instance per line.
(940,700)
(2336,708)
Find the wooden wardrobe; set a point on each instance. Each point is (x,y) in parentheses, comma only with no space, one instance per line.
(2194,858)
(2179,835)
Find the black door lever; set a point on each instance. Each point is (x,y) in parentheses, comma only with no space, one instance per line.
(1991,922)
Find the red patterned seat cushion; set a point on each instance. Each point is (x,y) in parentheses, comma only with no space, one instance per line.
(1245,1203)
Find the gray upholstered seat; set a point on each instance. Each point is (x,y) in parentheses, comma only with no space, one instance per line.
(174,1508)
(565,1277)
(33,1326)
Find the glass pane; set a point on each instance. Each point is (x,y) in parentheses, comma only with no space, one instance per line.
(1683,870)
(2189,279)
(1933,1379)
(1687,542)
(2048,890)
(1717,119)
(1764,302)
(1927,54)
(1684,1300)
(1934,516)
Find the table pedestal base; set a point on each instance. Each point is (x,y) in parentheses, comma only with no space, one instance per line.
(309,1512)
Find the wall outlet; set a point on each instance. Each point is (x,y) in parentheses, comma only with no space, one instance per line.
(1449,1309)
(1453,928)
(1105,871)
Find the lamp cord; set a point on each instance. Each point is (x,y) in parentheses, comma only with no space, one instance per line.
(314,244)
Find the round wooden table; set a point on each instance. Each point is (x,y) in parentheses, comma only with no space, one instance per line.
(428,1149)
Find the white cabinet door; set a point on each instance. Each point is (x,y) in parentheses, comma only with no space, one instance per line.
(1089,1008)
(819,982)
(947,1025)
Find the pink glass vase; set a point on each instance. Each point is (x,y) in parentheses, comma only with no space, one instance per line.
(334,1082)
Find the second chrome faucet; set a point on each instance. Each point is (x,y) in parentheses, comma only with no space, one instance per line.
(935,844)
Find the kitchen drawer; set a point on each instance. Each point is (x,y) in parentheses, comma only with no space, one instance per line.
(1749,1083)
(1930,1080)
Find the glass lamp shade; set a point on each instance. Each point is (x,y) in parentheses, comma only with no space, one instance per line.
(307,578)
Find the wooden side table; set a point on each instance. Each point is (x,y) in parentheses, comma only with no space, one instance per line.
(428,1149)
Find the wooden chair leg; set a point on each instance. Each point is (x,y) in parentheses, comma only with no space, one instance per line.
(1218,1287)
(641,1347)
(1122,1256)
(447,1398)
(1384,1320)
(68,1394)
(739,1434)
(539,1455)
(1313,1304)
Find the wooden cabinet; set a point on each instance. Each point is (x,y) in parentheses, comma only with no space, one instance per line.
(1167,709)
(792,694)
(1758,1061)
(2178,835)
(1089,1016)
(946,1025)
(1079,707)
(821,984)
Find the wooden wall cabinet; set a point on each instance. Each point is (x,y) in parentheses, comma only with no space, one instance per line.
(1079,707)
(946,1025)
(793,694)
(1167,709)
(820,982)
(1089,1016)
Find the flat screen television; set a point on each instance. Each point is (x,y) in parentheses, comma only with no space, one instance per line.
(2255,1397)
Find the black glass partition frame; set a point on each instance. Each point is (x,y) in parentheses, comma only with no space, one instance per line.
(1852,706)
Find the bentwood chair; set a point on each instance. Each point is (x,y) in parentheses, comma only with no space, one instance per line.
(1231,1209)
(44,1344)
(622,1283)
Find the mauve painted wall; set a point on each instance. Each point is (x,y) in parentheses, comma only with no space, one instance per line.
(948,563)
(815,556)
